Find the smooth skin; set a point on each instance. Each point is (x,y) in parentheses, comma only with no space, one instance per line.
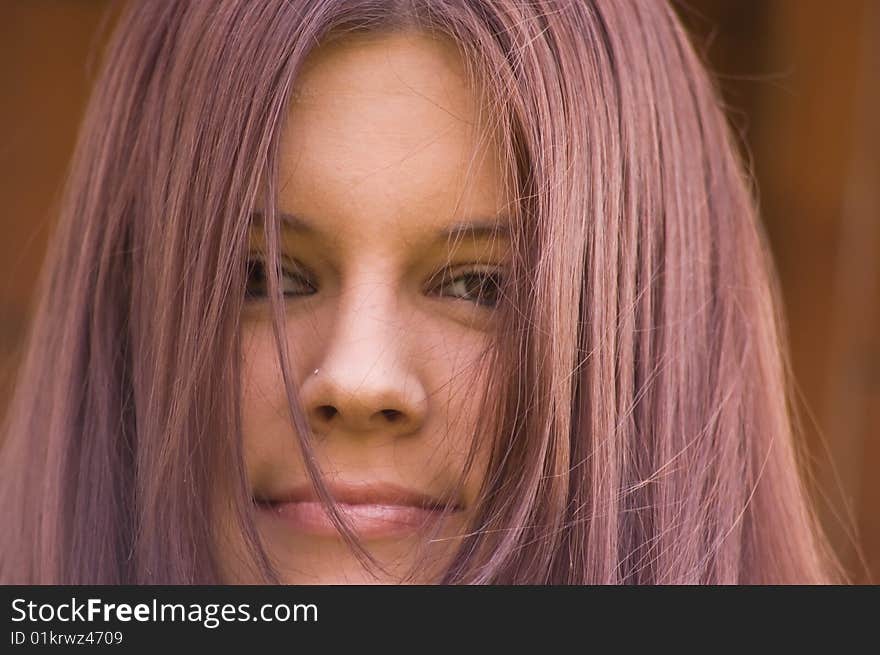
(392,257)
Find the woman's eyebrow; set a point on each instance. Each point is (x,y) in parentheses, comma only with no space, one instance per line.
(290,221)
(474,229)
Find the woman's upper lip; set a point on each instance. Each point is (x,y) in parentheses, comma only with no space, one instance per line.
(365,493)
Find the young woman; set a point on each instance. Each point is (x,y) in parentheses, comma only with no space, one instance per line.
(447,291)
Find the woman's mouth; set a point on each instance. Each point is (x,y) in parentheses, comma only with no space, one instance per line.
(372,510)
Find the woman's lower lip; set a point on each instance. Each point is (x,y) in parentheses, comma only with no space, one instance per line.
(367,520)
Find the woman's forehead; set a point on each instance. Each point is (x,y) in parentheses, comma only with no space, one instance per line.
(385,136)
(410,62)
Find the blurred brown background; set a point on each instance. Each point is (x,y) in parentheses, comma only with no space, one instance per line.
(801,79)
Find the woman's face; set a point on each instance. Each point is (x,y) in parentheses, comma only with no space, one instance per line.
(393,246)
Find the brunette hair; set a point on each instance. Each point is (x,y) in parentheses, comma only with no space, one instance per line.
(640,418)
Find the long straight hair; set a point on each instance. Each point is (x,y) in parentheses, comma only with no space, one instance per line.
(638,403)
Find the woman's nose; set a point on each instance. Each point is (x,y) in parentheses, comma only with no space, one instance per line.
(366,383)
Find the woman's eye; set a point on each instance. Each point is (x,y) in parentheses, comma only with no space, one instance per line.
(481,287)
(293,283)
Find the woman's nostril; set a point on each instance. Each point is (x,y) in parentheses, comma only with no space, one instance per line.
(328,412)
(391,414)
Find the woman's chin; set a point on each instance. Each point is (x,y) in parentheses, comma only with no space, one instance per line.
(312,557)
(337,565)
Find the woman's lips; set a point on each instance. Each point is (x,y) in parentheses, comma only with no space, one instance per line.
(372,510)
(367,521)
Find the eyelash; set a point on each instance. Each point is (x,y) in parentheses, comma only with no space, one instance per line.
(491,278)
(486,294)
(256,273)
